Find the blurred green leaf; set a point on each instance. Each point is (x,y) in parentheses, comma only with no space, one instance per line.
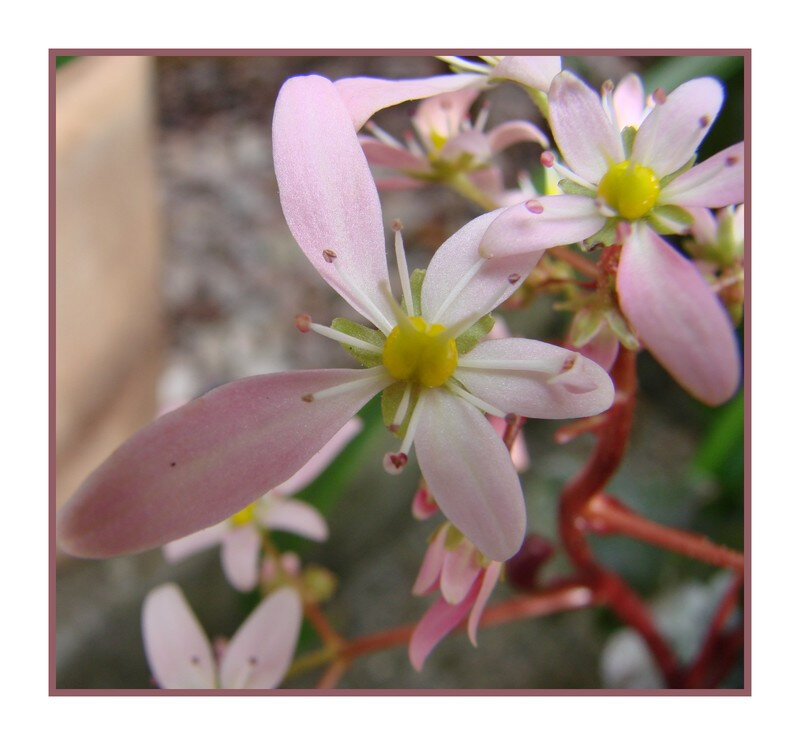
(672,71)
(724,440)
(61,61)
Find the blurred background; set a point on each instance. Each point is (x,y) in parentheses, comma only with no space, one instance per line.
(175,273)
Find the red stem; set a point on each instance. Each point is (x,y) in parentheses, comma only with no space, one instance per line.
(612,438)
(607,515)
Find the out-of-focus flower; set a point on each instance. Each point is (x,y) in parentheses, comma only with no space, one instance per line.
(209,459)
(240,536)
(465,579)
(257,656)
(627,186)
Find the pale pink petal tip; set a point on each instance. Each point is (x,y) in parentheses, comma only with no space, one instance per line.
(678,317)
(490,577)
(294,516)
(177,648)
(240,557)
(260,652)
(423,505)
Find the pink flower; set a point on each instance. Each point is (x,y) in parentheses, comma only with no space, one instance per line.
(240,535)
(258,655)
(209,459)
(629,184)
(465,579)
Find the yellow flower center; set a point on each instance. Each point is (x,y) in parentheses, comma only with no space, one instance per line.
(417,352)
(632,190)
(245,516)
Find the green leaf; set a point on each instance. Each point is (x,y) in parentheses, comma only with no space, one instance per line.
(417,278)
(390,402)
(724,437)
(606,236)
(467,341)
(672,71)
(585,326)
(357,331)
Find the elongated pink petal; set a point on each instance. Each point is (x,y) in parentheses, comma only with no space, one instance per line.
(472,143)
(716,182)
(602,348)
(455,257)
(534,393)
(437,622)
(490,577)
(296,517)
(240,555)
(541,223)
(469,471)
(519,450)
(587,139)
(672,131)
(431,567)
(364,96)
(513,132)
(678,317)
(191,544)
(459,571)
(175,644)
(382,154)
(322,459)
(259,653)
(704,227)
(443,114)
(199,464)
(628,100)
(535,72)
(326,189)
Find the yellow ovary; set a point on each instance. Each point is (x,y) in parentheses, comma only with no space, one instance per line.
(417,352)
(631,190)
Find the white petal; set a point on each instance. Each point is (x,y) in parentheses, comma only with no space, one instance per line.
(240,554)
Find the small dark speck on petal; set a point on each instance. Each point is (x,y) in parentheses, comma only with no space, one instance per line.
(172,464)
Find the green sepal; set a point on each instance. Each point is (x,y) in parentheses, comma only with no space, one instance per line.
(585,326)
(356,330)
(570,187)
(390,402)
(417,278)
(454,538)
(669,219)
(466,342)
(672,176)
(628,136)
(621,330)
(606,236)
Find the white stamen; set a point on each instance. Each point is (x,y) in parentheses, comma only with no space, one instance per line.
(365,378)
(604,209)
(402,267)
(566,173)
(382,135)
(460,285)
(608,103)
(400,316)
(460,327)
(474,400)
(402,409)
(394,463)
(340,336)
(482,118)
(411,430)
(369,309)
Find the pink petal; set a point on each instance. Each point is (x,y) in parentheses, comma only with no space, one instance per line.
(672,131)
(429,571)
(587,139)
(381,154)
(602,348)
(541,223)
(439,620)
(468,469)
(205,461)
(514,132)
(628,100)
(322,459)
(296,517)
(704,227)
(716,182)
(453,260)
(490,577)
(459,571)
(678,317)
(444,114)
(528,392)
(240,554)
(175,551)
(519,450)
(326,189)
(535,72)
(175,644)
(259,654)
(364,96)
(472,143)
(398,183)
